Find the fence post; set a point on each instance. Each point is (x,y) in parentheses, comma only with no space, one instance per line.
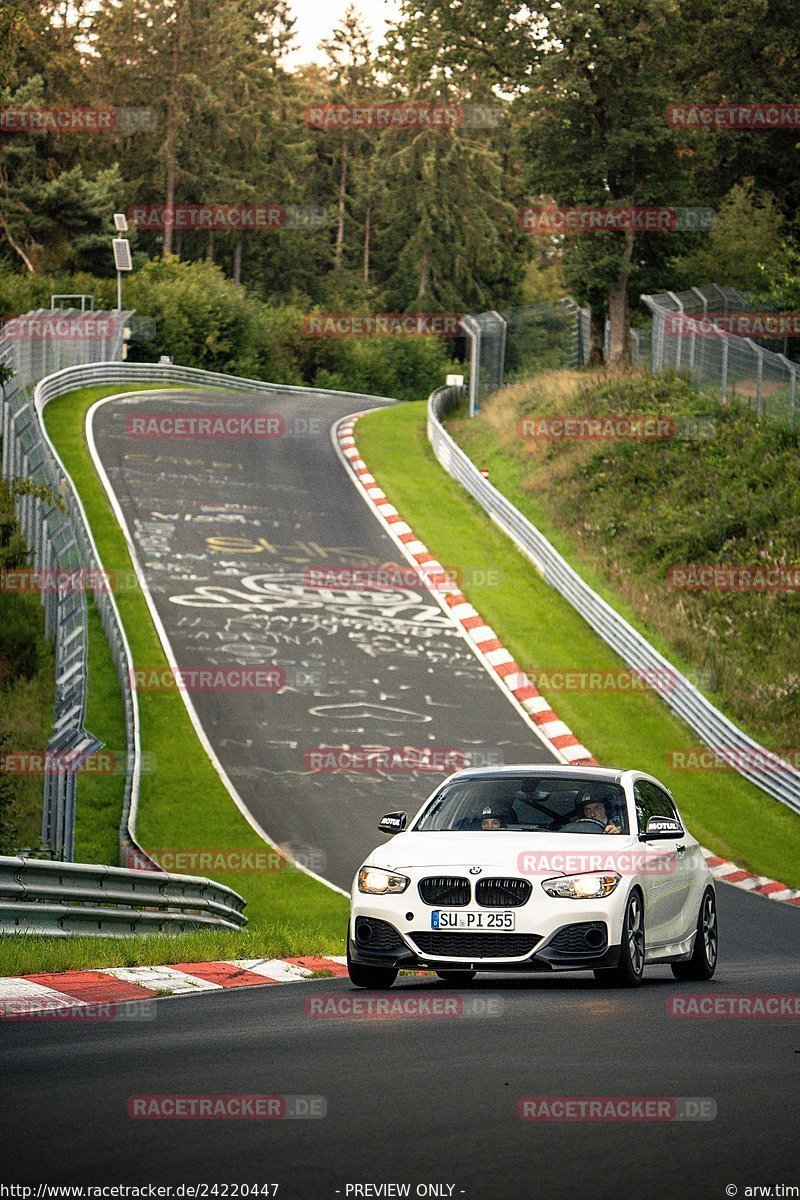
(759,376)
(679,305)
(791,367)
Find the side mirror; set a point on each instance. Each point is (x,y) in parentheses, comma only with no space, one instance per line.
(660,828)
(393,822)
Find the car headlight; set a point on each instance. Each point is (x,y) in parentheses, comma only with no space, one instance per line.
(381,883)
(591,886)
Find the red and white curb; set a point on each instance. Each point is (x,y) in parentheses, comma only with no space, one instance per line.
(483,639)
(729,872)
(498,660)
(29,995)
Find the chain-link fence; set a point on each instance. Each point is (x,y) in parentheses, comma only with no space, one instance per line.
(487,348)
(32,347)
(691,334)
(537,337)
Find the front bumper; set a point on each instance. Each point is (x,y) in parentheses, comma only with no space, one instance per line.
(576,945)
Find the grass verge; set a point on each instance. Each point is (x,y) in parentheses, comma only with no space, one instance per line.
(183,804)
(727,814)
(632,515)
(39,955)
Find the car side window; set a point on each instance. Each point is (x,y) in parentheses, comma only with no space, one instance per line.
(651,801)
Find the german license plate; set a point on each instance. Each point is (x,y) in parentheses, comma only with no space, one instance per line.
(444,919)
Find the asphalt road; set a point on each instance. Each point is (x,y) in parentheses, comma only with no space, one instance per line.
(409,1100)
(229,533)
(427,1100)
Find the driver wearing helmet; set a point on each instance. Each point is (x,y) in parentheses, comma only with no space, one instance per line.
(498,814)
(595,808)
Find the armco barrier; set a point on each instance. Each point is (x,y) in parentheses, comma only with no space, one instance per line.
(775,777)
(65,899)
(125,375)
(34,346)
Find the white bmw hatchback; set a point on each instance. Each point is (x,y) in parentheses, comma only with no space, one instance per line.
(535,869)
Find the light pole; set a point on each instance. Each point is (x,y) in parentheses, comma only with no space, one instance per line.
(122,253)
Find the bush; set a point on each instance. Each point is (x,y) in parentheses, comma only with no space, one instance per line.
(19,639)
(193,313)
(408,368)
(9,829)
(202,319)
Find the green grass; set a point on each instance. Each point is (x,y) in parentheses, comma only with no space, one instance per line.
(724,812)
(183,804)
(21,955)
(26,718)
(98,814)
(624,512)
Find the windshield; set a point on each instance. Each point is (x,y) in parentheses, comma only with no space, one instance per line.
(528,805)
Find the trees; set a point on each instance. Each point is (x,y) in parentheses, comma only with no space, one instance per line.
(352,73)
(598,135)
(746,248)
(416,218)
(207,69)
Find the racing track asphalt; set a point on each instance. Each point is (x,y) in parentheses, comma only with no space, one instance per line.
(421,1100)
(227,532)
(409,1100)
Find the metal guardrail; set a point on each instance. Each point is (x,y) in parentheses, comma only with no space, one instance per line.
(760,766)
(52,540)
(66,899)
(87,556)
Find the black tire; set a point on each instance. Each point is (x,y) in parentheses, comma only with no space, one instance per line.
(703,962)
(457,976)
(630,971)
(374,978)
